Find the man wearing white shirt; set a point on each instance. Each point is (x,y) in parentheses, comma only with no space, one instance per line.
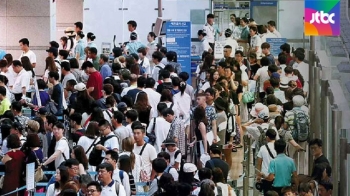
(133,85)
(21,81)
(153,96)
(144,61)
(120,131)
(231,42)
(265,155)
(211,30)
(263,75)
(110,144)
(271,25)
(110,187)
(24,44)
(205,45)
(118,175)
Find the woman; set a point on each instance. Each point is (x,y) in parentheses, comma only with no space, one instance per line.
(183,100)
(167,97)
(151,45)
(44,96)
(214,76)
(90,138)
(200,132)
(61,177)
(64,41)
(90,40)
(79,48)
(4,82)
(254,66)
(49,66)
(33,152)
(27,65)
(13,161)
(135,159)
(142,107)
(42,135)
(74,68)
(239,78)
(219,180)
(255,41)
(202,69)
(125,165)
(96,115)
(85,100)
(78,153)
(171,57)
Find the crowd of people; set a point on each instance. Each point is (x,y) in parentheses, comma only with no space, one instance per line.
(124,126)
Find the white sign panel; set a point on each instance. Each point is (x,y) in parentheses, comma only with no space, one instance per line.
(219,49)
(30,173)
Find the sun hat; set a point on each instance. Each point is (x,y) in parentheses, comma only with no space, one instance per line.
(260,111)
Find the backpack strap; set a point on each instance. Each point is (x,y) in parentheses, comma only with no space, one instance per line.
(154,124)
(87,121)
(268,149)
(91,145)
(171,106)
(176,154)
(143,148)
(121,175)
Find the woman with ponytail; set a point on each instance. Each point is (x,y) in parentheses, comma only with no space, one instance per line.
(135,159)
(184,102)
(90,40)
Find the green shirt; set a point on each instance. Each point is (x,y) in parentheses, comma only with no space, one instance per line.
(96,63)
(4,106)
(282,167)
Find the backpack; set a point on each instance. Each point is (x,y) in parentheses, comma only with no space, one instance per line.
(301,130)
(152,136)
(121,175)
(167,86)
(159,73)
(262,138)
(95,157)
(116,184)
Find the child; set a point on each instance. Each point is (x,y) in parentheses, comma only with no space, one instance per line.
(266,51)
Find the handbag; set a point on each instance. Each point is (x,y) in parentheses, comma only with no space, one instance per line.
(248,96)
(51,107)
(39,173)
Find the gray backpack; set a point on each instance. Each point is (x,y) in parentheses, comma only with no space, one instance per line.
(301,130)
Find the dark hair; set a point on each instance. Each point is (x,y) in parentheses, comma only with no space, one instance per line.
(184,76)
(316,141)
(59,125)
(245,20)
(255,29)
(9,59)
(73,63)
(164,155)
(271,133)
(169,68)
(157,55)
(41,84)
(282,58)
(285,47)
(92,130)
(79,25)
(53,74)
(17,63)
(54,44)
(204,173)
(264,61)
(280,146)
(132,115)
(142,50)
(24,41)
(16,106)
(299,55)
(119,116)
(13,141)
(65,65)
(51,119)
(210,16)
(239,52)
(150,82)
(271,193)
(80,34)
(2,91)
(132,23)
(166,95)
(80,155)
(165,179)
(76,117)
(138,125)
(273,68)
(3,63)
(114,155)
(275,82)
(125,163)
(96,184)
(161,106)
(327,185)
(87,64)
(33,140)
(152,34)
(218,175)
(91,36)
(167,111)
(27,65)
(64,177)
(318,170)
(265,45)
(159,165)
(272,23)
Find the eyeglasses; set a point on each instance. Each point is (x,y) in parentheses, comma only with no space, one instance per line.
(91,190)
(74,168)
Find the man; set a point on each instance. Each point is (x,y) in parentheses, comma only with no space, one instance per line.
(63,55)
(229,41)
(141,81)
(177,129)
(227,53)
(302,67)
(73,168)
(94,189)
(281,170)
(146,151)
(288,191)
(266,52)
(211,115)
(157,58)
(210,96)
(21,81)
(144,61)
(24,44)
(158,167)
(106,92)
(205,46)
(4,101)
(215,160)
(211,30)
(289,75)
(166,84)
(285,49)
(68,75)
(105,70)
(118,175)
(111,143)
(132,25)
(94,83)
(302,50)
(61,152)
(282,60)
(169,169)
(263,75)
(133,85)
(271,26)
(325,189)
(84,180)
(305,189)
(92,54)
(133,45)
(130,117)
(51,120)
(110,187)
(78,26)
(153,96)
(160,127)
(73,93)
(57,93)
(77,130)
(120,131)
(265,155)
(316,150)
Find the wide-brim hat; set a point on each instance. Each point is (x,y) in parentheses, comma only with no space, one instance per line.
(69,31)
(260,111)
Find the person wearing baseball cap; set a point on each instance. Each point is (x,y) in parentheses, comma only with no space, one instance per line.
(216,161)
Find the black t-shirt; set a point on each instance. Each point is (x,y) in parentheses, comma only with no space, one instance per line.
(319,160)
(253,68)
(234,94)
(217,162)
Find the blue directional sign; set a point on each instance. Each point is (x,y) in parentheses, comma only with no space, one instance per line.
(178,39)
(275,44)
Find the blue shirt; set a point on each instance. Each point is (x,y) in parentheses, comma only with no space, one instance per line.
(79,49)
(282,167)
(132,46)
(2,54)
(92,45)
(105,71)
(271,59)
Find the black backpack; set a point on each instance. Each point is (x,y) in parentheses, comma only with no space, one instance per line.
(152,136)
(95,157)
